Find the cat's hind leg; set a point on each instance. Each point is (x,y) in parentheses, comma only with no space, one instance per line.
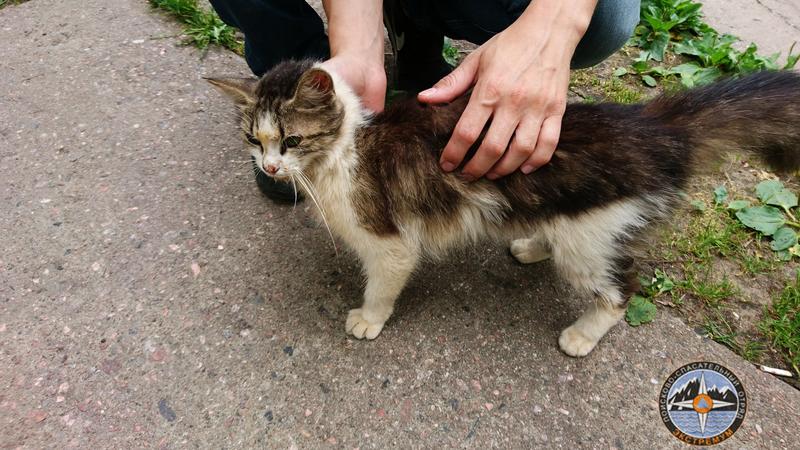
(612,285)
(388,263)
(530,250)
(593,254)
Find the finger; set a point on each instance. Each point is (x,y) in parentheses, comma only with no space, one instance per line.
(492,147)
(545,144)
(454,84)
(522,147)
(466,132)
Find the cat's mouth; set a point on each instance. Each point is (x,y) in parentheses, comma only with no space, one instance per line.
(277,176)
(281,176)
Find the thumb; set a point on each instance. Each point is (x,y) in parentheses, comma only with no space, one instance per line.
(454,84)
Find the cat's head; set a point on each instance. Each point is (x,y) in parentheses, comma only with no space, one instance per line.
(292,117)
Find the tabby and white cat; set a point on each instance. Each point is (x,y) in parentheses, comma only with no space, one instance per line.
(618,168)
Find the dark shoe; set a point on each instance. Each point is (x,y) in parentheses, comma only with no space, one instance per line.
(419,63)
(277,191)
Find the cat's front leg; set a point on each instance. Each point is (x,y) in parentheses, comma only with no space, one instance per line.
(387,263)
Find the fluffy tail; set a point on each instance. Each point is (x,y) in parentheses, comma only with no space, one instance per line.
(759,113)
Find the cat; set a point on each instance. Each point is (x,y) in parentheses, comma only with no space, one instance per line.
(618,169)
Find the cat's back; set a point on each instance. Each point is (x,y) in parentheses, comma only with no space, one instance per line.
(407,123)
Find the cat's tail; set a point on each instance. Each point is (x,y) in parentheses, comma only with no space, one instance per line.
(759,113)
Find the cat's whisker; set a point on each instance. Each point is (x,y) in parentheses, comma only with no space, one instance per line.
(294,185)
(306,183)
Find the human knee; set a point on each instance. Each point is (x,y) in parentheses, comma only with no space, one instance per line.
(612,25)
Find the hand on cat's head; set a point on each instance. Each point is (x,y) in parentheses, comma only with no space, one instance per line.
(366,80)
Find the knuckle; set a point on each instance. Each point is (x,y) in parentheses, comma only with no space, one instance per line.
(467,134)
(525,147)
(493,90)
(558,107)
(494,150)
(519,96)
(549,142)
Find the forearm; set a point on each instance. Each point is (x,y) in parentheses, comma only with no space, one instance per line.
(556,24)
(355,27)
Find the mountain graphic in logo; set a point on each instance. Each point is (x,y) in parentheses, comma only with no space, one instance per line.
(691,390)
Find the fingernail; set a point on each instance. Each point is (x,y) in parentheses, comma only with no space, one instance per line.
(527,169)
(447,166)
(430,91)
(467,177)
(492,176)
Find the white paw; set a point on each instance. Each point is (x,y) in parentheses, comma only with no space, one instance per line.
(360,327)
(574,343)
(528,252)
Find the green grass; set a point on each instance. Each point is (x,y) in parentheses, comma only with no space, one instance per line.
(716,233)
(611,90)
(4,3)
(701,285)
(202,27)
(782,324)
(721,331)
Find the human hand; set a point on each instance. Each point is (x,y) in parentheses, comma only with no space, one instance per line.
(520,79)
(368,81)
(355,34)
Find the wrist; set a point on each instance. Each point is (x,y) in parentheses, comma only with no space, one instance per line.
(355,30)
(565,22)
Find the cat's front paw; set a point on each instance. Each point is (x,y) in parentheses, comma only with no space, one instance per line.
(574,343)
(360,327)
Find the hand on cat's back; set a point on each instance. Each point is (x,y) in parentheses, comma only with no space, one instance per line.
(520,79)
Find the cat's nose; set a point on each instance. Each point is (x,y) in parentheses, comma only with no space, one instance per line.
(271,169)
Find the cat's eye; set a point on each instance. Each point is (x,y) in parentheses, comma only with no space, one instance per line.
(252,139)
(292,141)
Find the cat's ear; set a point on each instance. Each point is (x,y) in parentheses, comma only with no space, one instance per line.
(241,90)
(315,87)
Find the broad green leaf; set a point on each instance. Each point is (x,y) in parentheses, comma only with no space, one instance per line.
(640,311)
(659,45)
(640,66)
(620,72)
(648,80)
(659,71)
(767,189)
(698,205)
(784,198)
(784,238)
(720,195)
(738,204)
(784,255)
(706,75)
(686,72)
(766,219)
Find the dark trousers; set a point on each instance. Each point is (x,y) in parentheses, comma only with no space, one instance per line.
(282,29)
